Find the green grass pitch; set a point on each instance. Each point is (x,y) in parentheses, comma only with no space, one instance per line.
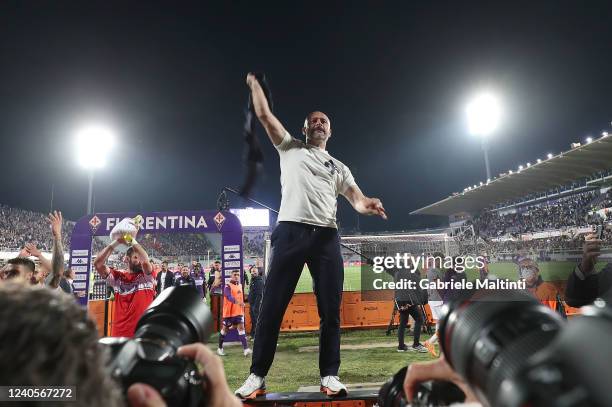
(292,368)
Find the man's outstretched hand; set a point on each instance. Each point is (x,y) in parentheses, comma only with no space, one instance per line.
(372,206)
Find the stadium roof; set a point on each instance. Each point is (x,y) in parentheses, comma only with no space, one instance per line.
(573,165)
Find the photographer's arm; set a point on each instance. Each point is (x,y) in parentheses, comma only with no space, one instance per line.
(435,370)
(583,284)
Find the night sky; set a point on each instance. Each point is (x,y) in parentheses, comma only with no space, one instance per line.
(394,77)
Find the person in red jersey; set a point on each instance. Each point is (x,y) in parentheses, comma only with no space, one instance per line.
(134,288)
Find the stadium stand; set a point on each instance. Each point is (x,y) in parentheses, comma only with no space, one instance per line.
(19,226)
(549,205)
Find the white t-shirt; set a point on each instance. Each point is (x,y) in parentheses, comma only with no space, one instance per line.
(311,180)
(163,280)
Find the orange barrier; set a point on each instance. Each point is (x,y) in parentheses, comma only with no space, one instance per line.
(301,314)
(96,313)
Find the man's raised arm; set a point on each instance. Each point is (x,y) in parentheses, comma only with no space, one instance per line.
(274,128)
(100,261)
(144,258)
(57,261)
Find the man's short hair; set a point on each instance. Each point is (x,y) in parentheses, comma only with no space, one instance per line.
(165,262)
(217,262)
(129,251)
(67,272)
(46,339)
(23,261)
(307,119)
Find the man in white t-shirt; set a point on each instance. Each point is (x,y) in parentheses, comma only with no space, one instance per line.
(311,180)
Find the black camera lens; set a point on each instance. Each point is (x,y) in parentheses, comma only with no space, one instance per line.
(487,335)
(566,372)
(177,317)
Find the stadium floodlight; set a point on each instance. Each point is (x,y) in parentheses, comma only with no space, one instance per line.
(528,165)
(589,139)
(481,183)
(604,134)
(538,161)
(509,171)
(488,180)
(93,143)
(483,114)
(520,167)
(549,156)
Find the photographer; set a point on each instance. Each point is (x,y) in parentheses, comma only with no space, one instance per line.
(47,349)
(584,285)
(46,339)
(409,301)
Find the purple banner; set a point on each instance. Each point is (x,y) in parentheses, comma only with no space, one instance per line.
(100,224)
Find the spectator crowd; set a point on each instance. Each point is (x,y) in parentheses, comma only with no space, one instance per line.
(19,226)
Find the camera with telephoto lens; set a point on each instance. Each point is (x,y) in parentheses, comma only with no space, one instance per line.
(573,371)
(514,351)
(175,318)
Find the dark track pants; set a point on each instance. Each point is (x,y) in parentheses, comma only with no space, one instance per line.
(418,322)
(294,244)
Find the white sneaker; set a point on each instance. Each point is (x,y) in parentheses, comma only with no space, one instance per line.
(247,352)
(220,352)
(420,348)
(252,387)
(332,386)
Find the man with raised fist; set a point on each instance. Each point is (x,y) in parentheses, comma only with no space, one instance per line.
(311,180)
